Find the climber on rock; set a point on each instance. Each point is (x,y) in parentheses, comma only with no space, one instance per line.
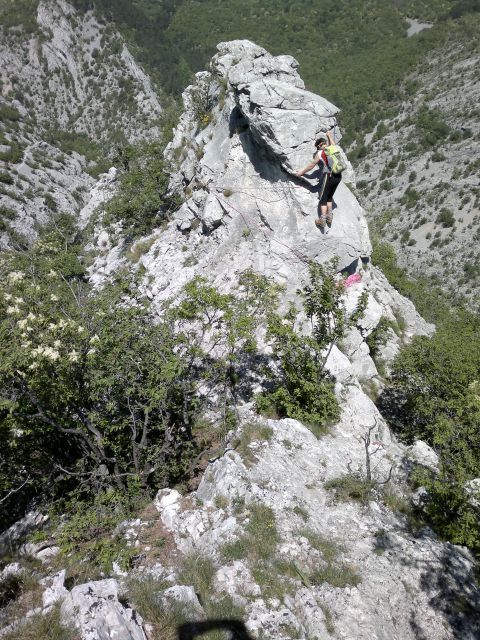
(329,180)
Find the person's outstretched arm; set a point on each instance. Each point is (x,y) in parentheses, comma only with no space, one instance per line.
(309,167)
(330,137)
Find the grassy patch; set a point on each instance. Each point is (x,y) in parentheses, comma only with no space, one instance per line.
(221,502)
(164,620)
(274,579)
(328,548)
(337,575)
(330,627)
(197,571)
(301,512)
(333,571)
(251,432)
(43,627)
(260,538)
(351,487)
(273,575)
(19,593)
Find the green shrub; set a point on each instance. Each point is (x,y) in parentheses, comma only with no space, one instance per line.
(6,178)
(86,534)
(378,337)
(410,198)
(438,157)
(14,155)
(50,202)
(445,218)
(7,112)
(302,389)
(6,213)
(351,487)
(431,127)
(143,200)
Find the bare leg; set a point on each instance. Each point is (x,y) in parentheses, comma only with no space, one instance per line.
(329,213)
(322,214)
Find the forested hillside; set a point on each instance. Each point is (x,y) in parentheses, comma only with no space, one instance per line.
(418,170)
(352,52)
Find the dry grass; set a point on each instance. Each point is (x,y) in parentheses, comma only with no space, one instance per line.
(251,432)
(138,249)
(43,627)
(164,621)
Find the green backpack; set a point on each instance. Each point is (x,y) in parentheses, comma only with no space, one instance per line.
(338,163)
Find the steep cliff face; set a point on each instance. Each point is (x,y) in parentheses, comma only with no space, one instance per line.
(67,81)
(419,177)
(248,124)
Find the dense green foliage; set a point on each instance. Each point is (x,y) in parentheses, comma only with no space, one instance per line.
(337,45)
(434,395)
(142,201)
(91,388)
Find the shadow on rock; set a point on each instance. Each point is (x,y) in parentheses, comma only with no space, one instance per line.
(455,592)
(192,630)
(447,579)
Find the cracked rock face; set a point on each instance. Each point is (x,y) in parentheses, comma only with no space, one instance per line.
(95,610)
(243,207)
(406,585)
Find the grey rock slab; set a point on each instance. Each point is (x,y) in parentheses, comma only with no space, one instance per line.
(10,538)
(55,590)
(184,596)
(236,579)
(424,455)
(95,610)
(12,569)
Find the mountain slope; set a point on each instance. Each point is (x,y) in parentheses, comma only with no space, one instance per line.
(418,173)
(68,86)
(291,531)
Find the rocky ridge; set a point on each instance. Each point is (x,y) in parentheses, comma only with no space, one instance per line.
(70,80)
(337,569)
(421,196)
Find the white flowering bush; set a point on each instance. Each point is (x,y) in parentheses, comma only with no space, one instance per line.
(98,395)
(91,389)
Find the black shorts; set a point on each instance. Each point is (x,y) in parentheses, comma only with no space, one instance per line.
(331,184)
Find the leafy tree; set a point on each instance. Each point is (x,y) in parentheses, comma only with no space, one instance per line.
(91,387)
(222,328)
(143,200)
(302,388)
(434,396)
